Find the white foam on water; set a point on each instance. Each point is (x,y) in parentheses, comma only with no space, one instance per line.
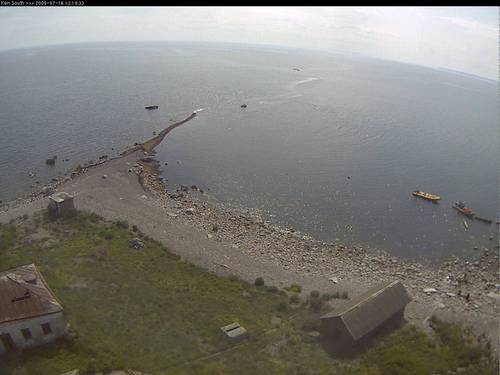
(198,110)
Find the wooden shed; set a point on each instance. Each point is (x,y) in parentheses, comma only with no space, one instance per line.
(361,318)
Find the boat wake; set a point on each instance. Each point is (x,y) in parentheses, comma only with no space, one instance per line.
(198,110)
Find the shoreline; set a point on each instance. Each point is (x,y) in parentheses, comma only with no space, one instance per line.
(245,245)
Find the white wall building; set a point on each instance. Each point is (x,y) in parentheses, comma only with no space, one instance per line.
(30,314)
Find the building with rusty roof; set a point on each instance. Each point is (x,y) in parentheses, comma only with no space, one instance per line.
(361,318)
(30,313)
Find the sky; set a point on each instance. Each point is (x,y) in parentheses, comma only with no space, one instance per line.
(459,38)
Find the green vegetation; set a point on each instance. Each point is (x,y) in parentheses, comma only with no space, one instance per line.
(411,352)
(294,288)
(330,296)
(259,281)
(8,236)
(151,311)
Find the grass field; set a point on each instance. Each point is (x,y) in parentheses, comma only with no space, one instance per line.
(149,310)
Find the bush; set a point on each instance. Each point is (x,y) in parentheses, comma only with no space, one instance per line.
(330,296)
(134,228)
(314,294)
(107,234)
(311,325)
(69,214)
(316,304)
(272,289)
(233,277)
(294,298)
(327,297)
(282,306)
(295,288)
(259,281)
(215,228)
(122,224)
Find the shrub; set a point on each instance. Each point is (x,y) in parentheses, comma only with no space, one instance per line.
(134,228)
(215,227)
(233,277)
(316,304)
(272,289)
(69,214)
(107,234)
(94,218)
(311,325)
(259,281)
(25,217)
(314,294)
(122,224)
(330,296)
(294,298)
(282,306)
(295,288)
(327,296)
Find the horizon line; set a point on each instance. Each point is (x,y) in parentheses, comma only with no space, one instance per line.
(333,50)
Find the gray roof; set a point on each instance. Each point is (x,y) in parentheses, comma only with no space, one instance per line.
(61,197)
(367,311)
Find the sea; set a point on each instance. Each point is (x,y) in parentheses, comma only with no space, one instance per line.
(331,143)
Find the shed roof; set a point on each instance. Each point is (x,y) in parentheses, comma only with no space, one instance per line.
(61,197)
(370,309)
(24,294)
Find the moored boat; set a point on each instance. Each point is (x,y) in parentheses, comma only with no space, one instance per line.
(151,107)
(424,195)
(460,207)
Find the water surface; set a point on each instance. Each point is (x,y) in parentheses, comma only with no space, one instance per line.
(333,150)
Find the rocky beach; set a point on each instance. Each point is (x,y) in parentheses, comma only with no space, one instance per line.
(207,233)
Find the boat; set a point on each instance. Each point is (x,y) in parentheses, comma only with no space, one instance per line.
(430,197)
(489,221)
(466,225)
(151,107)
(460,207)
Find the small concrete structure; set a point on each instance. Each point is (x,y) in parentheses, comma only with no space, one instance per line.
(234,332)
(378,309)
(61,203)
(30,314)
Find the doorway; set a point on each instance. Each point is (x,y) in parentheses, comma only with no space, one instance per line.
(7,342)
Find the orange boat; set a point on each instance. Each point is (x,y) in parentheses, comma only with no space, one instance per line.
(424,195)
(460,207)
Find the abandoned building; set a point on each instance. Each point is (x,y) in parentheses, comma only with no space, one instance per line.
(234,332)
(61,203)
(30,314)
(356,322)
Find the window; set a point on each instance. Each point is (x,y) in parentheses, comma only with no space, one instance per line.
(46,328)
(26,333)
